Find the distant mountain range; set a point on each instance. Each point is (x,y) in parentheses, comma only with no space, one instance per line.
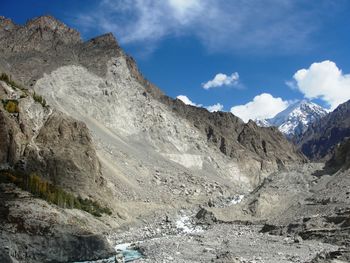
(296,119)
(326,135)
(320,135)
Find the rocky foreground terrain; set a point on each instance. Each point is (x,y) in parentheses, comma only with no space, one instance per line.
(93,156)
(304,218)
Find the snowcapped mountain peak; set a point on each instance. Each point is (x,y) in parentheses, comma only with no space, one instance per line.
(295,119)
(262,123)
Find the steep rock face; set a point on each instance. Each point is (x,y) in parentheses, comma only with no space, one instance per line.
(129,126)
(13,138)
(39,139)
(59,148)
(268,142)
(43,44)
(103,57)
(9,135)
(223,129)
(67,155)
(340,158)
(321,138)
(179,135)
(6,26)
(227,131)
(39,34)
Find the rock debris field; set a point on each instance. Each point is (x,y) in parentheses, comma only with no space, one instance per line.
(220,242)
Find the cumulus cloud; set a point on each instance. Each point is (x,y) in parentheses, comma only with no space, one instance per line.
(211,108)
(215,107)
(261,107)
(187,101)
(221,79)
(324,80)
(221,25)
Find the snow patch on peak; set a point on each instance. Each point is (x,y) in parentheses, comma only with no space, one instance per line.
(295,120)
(262,123)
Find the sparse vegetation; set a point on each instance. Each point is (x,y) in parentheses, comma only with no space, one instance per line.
(10,82)
(39,99)
(11,106)
(41,188)
(4,77)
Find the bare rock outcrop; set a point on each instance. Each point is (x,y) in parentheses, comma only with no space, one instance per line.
(42,140)
(66,155)
(9,145)
(340,158)
(40,34)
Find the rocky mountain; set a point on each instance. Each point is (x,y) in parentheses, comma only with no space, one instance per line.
(40,140)
(57,53)
(295,120)
(340,159)
(81,127)
(323,136)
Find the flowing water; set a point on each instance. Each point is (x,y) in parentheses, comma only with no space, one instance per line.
(128,251)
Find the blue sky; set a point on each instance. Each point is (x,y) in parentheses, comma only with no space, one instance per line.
(268,53)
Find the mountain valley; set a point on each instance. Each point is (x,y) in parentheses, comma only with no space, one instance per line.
(93,156)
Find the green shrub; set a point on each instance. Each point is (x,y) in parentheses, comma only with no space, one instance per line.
(39,99)
(41,188)
(11,106)
(5,77)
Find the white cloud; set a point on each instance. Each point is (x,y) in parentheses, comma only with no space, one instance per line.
(222,26)
(187,101)
(215,107)
(324,80)
(221,79)
(140,21)
(211,108)
(261,107)
(183,8)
